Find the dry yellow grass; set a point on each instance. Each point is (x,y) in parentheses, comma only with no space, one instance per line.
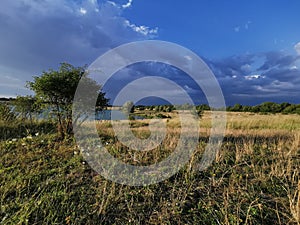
(254,178)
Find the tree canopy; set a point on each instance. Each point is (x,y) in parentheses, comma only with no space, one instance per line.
(56,90)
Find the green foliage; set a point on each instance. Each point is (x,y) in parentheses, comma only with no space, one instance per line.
(203,107)
(156,108)
(19,129)
(26,106)
(56,90)
(237,107)
(267,107)
(6,113)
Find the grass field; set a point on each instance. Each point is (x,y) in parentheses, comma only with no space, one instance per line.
(253,180)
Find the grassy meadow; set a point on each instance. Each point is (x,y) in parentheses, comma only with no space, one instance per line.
(253,180)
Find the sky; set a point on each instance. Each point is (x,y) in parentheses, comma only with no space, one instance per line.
(252,47)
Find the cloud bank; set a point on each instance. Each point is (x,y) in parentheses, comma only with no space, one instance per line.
(247,79)
(38,35)
(254,78)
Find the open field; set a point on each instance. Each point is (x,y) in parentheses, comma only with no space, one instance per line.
(253,180)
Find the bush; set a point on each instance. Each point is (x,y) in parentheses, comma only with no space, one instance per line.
(6,113)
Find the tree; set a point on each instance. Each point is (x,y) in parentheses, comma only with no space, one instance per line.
(26,106)
(237,108)
(269,107)
(56,90)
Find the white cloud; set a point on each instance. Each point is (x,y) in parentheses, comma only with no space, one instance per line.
(144,30)
(83,11)
(128,4)
(190,90)
(112,3)
(297,48)
(254,77)
(293,68)
(189,58)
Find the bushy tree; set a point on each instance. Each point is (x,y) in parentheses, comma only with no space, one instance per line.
(56,90)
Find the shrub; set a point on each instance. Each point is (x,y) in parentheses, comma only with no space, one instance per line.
(6,113)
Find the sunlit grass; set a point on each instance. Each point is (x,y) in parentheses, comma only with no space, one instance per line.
(253,180)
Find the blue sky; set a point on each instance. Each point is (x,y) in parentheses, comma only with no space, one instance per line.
(253,47)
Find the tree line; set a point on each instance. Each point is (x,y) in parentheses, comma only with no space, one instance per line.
(267,107)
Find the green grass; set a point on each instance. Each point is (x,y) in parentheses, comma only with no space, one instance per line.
(253,180)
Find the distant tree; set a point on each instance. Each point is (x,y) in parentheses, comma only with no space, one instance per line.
(203,107)
(169,108)
(246,108)
(56,90)
(6,99)
(269,107)
(292,109)
(140,107)
(284,105)
(237,108)
(297,110)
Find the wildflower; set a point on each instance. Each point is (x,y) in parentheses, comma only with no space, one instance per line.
(37,134)
(14,140)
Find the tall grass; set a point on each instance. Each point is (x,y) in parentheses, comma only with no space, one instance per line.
(253,180)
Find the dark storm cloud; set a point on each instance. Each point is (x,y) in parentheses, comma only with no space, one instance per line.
(279,60)
(38,35)
(243,79)
(253,78)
